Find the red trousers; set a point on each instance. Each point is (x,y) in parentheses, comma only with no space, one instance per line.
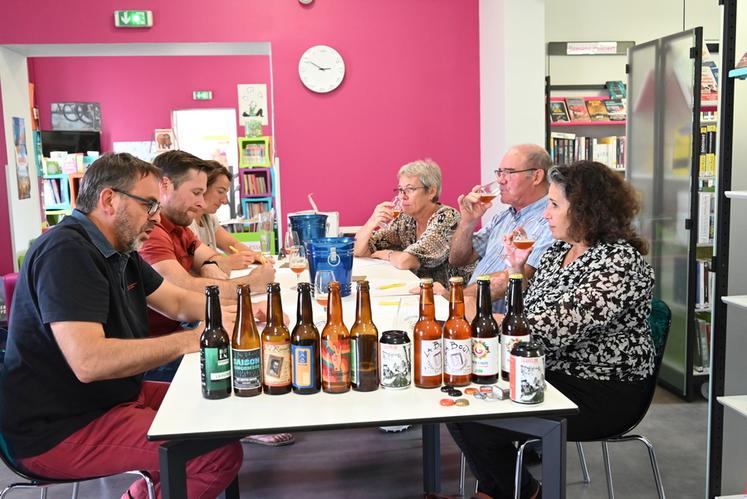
(116,442)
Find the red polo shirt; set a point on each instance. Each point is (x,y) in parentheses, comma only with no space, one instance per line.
(168,242)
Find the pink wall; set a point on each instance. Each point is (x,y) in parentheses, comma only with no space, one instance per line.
(6,247)
(145,90)
(411,89)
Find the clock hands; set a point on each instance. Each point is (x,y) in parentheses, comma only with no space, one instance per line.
(318,66)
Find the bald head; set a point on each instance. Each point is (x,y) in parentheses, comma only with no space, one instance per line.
(532,156)
(522,175)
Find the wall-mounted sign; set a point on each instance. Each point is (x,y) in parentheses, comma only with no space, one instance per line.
(591,48)
(133,18)
(202,95)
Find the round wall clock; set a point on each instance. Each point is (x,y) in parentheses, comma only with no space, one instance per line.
(321,69)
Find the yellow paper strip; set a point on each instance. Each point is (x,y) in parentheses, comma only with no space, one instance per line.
(389,303)
(390,286)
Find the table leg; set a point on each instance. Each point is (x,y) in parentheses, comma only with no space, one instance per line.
(431,457)
(553,435)
(173,457)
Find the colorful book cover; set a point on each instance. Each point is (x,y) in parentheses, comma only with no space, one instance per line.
(597,110)
(616,89)
(615,109)
(577,109)
(558,111)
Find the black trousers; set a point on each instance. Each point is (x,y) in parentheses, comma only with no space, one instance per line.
(606,408)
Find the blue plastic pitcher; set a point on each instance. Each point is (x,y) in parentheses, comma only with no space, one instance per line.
(309,226)
(335,254)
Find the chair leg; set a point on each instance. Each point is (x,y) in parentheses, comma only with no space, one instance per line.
(519,463)
(148,481)
(43,493)
(608,469)
(462,473)
(654,464)
(76,487)
(584,466)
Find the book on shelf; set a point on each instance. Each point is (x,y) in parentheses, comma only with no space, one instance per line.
(597,110)
(617,89)
(742,62)
(706,207)
(558,112)
(565,148)
(702,351)
(577,109)
(704,279)
(615,109)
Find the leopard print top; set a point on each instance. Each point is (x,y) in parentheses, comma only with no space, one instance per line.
(592,315)
(431,248)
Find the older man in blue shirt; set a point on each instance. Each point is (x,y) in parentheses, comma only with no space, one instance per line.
(522,179)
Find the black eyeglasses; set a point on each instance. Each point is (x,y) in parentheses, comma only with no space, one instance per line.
(507,172)
(152,205)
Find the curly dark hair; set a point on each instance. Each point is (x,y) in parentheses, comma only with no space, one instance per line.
(602,204)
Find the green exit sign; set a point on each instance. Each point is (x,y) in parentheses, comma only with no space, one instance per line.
(202,95)
(133,18)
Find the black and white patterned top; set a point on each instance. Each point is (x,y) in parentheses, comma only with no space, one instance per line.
(431,248)
(592,315)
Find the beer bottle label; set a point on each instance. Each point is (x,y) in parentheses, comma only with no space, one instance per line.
(485,355)
(431,357)
(276,360)
(458,357)
(216,369)
(507,343)
(247,369)
(336,360)
(396,367)
(303,366)
(354,361)
(527,379)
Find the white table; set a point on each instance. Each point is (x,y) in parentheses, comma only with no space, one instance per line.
(192,425)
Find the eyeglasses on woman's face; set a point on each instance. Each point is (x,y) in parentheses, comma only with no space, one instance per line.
(407,191)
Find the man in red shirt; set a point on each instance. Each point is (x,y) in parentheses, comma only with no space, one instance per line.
(174,251)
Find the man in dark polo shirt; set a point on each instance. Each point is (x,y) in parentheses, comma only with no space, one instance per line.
(74,404)
(174,250)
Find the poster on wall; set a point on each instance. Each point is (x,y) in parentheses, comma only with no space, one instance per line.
(164,139)
(77,116)
(22,158)
(253,103)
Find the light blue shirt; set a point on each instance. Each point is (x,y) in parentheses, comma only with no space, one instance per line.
(488,241)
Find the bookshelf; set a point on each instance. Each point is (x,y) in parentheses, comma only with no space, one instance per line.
(727,428)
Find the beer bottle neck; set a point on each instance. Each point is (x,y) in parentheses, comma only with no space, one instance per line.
(484,303)
(274,309)
(213,315)
(363,306)
(427,306)
(304,314)
(515,297)
(245,315)
(334,307)
(456,302)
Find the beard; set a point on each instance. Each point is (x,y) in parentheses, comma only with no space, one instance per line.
(129,238)
(177,217)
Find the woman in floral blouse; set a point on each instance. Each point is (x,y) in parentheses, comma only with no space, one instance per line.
(588,303)
(419,238)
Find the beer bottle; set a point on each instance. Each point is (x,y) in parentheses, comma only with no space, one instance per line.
(215,362)
(428,344)
(275,346)
(364,348)
(245,348)
(486,350)
(457,338)
(305,346)
(335,346)
(527,372)
(513,328)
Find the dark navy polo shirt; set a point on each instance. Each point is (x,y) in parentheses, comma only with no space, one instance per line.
(71,273)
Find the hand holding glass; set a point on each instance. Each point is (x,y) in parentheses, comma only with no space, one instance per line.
(489,192)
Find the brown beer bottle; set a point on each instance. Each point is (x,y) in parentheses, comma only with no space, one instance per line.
(276,357)
(335,346)
(215,361)
(457,338)
(246,352)
(513,328)
(486,350)
(364,344)
(428,343)
(305,346)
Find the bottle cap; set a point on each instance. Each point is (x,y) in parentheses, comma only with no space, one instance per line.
(516,276)
(484,278)
(426,280)
(456,280)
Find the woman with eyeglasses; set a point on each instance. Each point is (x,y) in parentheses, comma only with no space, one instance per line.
(588,304)
(414,230)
